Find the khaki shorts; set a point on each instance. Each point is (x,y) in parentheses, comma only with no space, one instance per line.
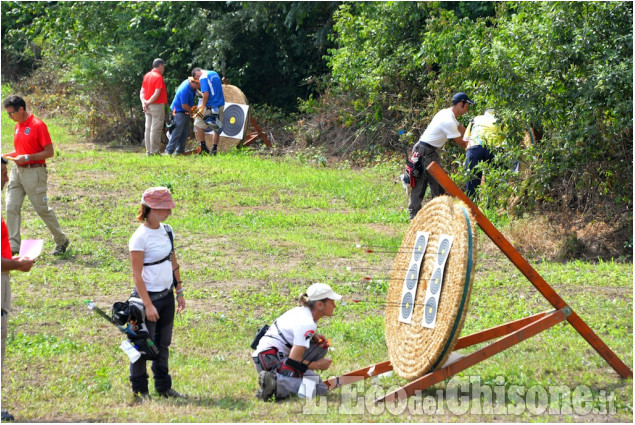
(199,122)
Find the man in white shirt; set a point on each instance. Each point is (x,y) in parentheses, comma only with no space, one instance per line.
(443,127)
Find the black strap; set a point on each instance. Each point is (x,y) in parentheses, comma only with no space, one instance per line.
(168,229)
(281,336)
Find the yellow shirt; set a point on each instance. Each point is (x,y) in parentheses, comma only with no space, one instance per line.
(483,131)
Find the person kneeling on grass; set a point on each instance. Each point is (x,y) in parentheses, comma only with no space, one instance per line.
(291,350)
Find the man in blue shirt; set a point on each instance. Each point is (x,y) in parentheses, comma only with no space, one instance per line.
(181,108)
(213,103)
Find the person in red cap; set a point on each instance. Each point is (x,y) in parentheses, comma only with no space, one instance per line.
(156,275)
(9,263)
(291,350)
(443,127)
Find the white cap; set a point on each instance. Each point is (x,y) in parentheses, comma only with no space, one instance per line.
(320,291)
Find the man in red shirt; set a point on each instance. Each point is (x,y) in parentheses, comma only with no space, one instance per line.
(154,98)
(33,146)
(8,263)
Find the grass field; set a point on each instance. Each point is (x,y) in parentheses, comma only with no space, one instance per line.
(252,232)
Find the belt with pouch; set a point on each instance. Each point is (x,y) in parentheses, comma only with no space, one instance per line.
(154,295)
(428,145)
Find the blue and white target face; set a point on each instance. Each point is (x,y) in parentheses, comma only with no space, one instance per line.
(420,247)
(407,304)
(430,314)
(444,251)
(435,282)
(412,276)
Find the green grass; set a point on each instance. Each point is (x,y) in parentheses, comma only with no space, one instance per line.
(251,233)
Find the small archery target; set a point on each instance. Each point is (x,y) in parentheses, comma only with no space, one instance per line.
(412,278)
(430,314)
(435,282)
(420,247)
(234,117)
(406,305)
(444,251)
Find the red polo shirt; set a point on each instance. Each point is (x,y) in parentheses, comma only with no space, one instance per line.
(151,81)
(6,246)
(30,137)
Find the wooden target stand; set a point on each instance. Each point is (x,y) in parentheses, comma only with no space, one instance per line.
(510,333)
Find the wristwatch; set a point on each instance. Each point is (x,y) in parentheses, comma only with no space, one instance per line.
(26,158)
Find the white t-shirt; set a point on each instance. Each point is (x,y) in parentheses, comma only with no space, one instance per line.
(155,244)
(297,327)
(443,126)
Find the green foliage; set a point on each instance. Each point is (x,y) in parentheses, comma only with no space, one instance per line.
(563,68)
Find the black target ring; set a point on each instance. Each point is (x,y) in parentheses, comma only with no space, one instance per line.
(435,282)
(431,310)
(406,305)
(419,246)
(233,120)
(444,251)
(412,276)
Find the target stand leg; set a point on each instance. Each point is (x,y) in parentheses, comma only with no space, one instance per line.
(536,324)
(358,375)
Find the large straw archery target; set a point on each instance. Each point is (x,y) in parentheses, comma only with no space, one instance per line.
(413,349)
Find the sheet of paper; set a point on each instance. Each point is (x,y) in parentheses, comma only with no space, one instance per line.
(307,387)
(31,248)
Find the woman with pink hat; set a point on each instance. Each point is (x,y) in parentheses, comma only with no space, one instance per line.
(155,272)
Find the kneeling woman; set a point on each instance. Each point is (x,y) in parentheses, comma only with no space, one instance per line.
(154,271)
(291,349)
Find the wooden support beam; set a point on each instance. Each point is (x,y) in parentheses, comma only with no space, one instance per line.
(426,381)
(358,375)
(262,135)
(498,331)
(530,273)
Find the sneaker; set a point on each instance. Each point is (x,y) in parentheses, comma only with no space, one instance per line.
(172,393)
(214,149)
(204,150)
(268,384)
(62,248)
(140,398)
(6,416)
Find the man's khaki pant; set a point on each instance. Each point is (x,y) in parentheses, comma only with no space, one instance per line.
(31,182)
(6,307)
(155,118)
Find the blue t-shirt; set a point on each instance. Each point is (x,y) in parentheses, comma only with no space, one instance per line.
(184,95)
(211,82)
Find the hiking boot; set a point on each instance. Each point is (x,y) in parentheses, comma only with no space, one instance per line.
(140,398)
(6,416)
(172,393)
(62,248)
(214,149)
(268,384)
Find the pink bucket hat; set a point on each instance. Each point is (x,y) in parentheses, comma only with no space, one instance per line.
(158,198)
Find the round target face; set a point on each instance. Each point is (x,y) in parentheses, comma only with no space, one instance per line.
(435,282)
(431,310)
(406,305)
(419,247)
(444,250)
(233,120)
(412,276)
